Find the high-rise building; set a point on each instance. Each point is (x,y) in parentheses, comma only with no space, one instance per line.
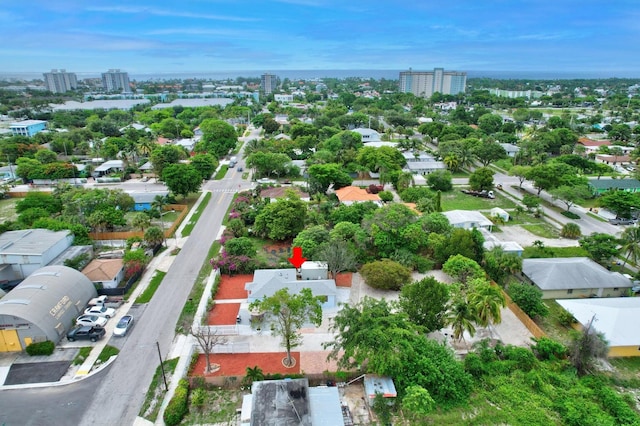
(426,83)
(268,83)
(60,81)
(115,80)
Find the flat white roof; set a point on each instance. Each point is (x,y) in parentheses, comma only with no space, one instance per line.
(615,317)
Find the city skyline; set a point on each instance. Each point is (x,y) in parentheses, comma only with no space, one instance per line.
(219,35)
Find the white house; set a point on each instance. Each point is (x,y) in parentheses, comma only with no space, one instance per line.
(615,317)
(368,135)
(468,219)
(422,163)
(267,282)
(105,273)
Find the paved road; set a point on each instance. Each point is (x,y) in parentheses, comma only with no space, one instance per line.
(122,390)
(59,405)
(587,224)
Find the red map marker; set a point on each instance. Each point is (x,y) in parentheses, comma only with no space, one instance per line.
(297,260)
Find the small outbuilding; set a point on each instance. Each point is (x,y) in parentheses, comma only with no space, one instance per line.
(43,307)
(500,213)
(378,385)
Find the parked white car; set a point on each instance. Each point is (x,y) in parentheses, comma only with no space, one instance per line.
(101,311)
(91,320)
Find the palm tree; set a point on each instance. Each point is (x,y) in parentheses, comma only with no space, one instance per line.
(154,236)
(452,162)
(487,302)
(141,220)
(146,146)
(630,241)
(405,180)
(158,204)
(460,317)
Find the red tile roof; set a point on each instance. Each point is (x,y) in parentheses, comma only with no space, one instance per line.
(353,193)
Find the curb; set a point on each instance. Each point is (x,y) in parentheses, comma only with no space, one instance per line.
(75,379)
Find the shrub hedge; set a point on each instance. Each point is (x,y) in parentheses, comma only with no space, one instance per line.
(178,407)
(41,348)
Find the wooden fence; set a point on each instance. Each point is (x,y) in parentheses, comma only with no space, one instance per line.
(523,317)
(123,235)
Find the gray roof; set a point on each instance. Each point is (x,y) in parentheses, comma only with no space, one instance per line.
(146,197)
(425,165)
(108,165)
(195,102)
(457,217)
(571,273)
(30,241)
(260,289)
(50,298)
(605,183)
(280,402)
(122,104)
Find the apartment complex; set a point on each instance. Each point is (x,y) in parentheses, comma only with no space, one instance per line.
(116,81)
(426,83)
(268,83)
(27,127)
(60,81)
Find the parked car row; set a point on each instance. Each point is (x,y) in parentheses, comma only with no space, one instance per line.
(90,325)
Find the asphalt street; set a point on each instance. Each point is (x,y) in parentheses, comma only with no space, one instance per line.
(122,391)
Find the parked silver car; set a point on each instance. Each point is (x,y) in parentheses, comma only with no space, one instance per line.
(123,326)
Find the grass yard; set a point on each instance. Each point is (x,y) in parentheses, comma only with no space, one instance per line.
(186,231)
(8,209)
(148,292)
(222,172)
(156,392)
(551,323)
(218,407)
(456,200)
(544,230)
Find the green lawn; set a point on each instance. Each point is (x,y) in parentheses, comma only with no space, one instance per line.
(542,230)
(148,293)
(456,200)
(186,231)
(8,209)
(221,172)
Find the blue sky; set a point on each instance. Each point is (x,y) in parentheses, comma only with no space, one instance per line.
(220,35)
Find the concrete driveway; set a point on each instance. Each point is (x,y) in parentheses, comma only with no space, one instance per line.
(510,331)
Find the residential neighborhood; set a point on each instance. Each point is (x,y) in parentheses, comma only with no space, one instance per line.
(370,251)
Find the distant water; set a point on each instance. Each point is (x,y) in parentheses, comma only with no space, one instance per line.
(340,74)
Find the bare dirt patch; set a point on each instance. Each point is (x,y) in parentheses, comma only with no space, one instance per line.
(223,314)
(236,364)
(232,286)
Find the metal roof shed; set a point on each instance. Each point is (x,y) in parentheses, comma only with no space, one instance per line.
(379,384)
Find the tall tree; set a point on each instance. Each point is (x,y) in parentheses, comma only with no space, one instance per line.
(337,255)
(425,302)
(182,179)
(289,313)
(218,137)
(158,204)
(570,195)
(481,179)
(630,241)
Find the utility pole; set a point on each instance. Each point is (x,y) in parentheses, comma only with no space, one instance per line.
(166,386)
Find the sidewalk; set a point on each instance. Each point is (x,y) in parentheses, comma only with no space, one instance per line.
(162,262)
